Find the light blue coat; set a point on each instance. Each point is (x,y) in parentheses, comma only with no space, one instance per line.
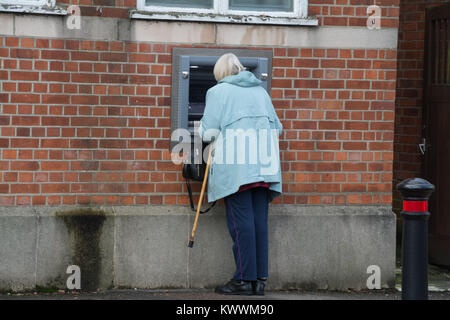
(241,110)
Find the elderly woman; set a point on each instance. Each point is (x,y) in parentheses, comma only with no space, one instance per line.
(246,175)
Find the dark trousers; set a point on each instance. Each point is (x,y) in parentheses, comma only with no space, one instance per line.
(247,222)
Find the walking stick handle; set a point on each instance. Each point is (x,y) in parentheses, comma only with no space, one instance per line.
(200,200)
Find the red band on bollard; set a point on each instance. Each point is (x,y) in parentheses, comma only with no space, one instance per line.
(415,206)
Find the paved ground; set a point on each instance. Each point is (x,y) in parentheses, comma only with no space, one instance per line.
(438,278)
(438,284)
(210,295)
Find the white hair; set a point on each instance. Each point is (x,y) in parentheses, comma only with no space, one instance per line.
(227,64)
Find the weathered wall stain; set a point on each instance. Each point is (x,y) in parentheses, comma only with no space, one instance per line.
(86,226)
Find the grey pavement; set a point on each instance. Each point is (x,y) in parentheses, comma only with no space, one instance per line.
(438,285)
(208,294)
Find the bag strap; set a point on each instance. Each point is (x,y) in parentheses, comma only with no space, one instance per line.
(191,201)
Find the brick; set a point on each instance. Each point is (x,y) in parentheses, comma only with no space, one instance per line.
(354,166)
(331,166)
(83,143)
(380,146)
(24,188)
(85,77)
(107,143)
(332,63)
(322,145)
(54,166)
(24,75)
(114,78)
(359,64)
(84,56)
(54,55)
(330,125)
(282,62)
(356,125)
(141,187)
(24,53)
(143,101)
(55,76)
(306,83)
(331,84)
(354,145)
(335,21)
(24,165)
(115,12)
(55,188)
(113,56)
(54,143)
(306,63)
(281,83)
(85,99)
(141,58)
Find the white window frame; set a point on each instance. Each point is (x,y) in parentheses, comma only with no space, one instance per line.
(37,3)
(221,13)
(32,6)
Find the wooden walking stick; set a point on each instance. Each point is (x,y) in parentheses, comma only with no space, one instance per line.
(200,200)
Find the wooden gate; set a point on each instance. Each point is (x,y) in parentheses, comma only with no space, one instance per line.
(436,142)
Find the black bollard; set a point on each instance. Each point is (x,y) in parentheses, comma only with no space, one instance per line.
(415,193)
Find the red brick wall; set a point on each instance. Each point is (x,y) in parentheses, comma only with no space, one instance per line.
(85,122)
(102,8)
(329,12)
(409,102)
(353,12)
(337,107)
(88,122)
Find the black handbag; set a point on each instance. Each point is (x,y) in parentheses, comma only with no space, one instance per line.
(195,171)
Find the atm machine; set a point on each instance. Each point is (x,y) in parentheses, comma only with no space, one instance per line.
(192,76)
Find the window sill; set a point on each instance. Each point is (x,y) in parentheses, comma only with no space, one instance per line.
(33,9)
(217,18)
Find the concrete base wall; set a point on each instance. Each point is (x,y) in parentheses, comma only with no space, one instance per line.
(310,247)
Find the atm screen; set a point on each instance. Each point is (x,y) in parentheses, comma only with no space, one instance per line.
(201,79)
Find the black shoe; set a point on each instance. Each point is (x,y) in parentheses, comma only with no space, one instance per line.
(236,287)
(258,287)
